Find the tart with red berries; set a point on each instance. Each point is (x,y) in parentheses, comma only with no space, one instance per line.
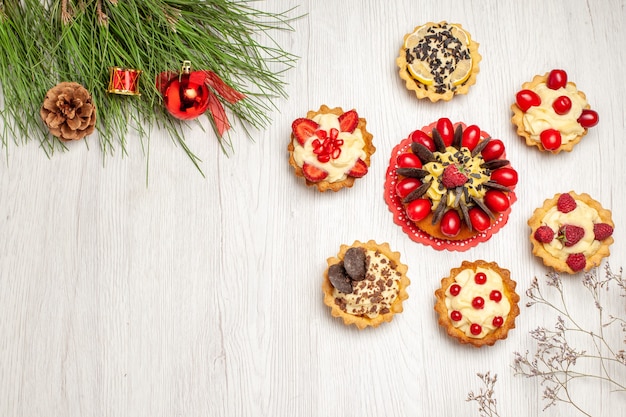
(551,113)
(330,148)
(477,303)
(438,61)
(365,284)
(571,232)
(449,185)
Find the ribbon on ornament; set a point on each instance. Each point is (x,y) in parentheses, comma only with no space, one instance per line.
(215,86)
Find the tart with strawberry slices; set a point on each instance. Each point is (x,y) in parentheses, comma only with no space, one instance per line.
(477,303)
(365,284)
(438,61)
(551,113)
(449,185)
(571,232)
(330,148)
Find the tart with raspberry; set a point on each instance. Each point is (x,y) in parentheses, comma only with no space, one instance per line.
(551,113)
(450,183)
(330,148)
(571,232)
(438,61)
(365,284)
(477,304)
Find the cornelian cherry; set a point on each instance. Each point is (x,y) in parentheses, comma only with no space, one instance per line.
(446,130)
(526,99)
(495,295)
(471,137)
(420,137)
(588,118)
(408,160)
(550,139)
(497,321)
(562,105)
(480,278)
(505,176)
(450,223)
(418,209)
(476,329)
(406,185)
(556,79)
(478,303)
(456,315)
(455,289)
(493,150)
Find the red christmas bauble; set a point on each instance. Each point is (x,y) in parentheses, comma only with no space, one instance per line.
(187,97)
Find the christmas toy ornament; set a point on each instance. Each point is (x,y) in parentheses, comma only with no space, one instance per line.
(68,111)
(186,96)
(189,94)
(124,81)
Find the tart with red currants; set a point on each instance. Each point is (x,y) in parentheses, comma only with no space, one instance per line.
(365,284)
(571,232)
(551,113)
(450,185)
(330,148)
(477,303)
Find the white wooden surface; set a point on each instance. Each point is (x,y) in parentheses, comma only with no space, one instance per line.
(201,296)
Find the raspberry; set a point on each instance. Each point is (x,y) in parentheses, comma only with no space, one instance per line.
(452,177)
(602,231)
(576,261)
(565,203)
(570,234)
(544,234)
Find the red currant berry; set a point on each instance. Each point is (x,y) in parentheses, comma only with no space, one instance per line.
(562,105)
(456,315)
(497,321)
(455,289)
(480,278)
(588,118)
(478,303)
(475,329)
(495,295)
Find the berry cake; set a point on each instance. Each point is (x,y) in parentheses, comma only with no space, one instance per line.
(571,232)
(438,61)
(365,284)
(330,148)
(450,181)
(551,113)
(477,303)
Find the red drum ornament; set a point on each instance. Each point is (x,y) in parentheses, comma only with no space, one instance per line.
(187,96)
(124,81)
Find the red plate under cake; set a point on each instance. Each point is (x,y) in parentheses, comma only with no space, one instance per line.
(450,186)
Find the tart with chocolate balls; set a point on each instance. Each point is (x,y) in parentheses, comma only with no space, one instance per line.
(571,232)
(450,185)
(551,113)
(330,148)
(438,61)
(477,303)
(365,284)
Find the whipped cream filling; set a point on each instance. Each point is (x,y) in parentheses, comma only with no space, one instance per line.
(375,294)
(470,290)
(543,117)
(582,216)
(351,150)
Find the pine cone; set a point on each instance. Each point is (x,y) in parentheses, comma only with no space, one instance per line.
(68,111)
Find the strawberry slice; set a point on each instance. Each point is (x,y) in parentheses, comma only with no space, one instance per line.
(359,169)
(313,173)
(303,129)
(348,121)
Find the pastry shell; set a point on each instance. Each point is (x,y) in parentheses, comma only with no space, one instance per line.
(538,249)
(518,118)
(508,291)
(421,91)
(348,182)
(361,322)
